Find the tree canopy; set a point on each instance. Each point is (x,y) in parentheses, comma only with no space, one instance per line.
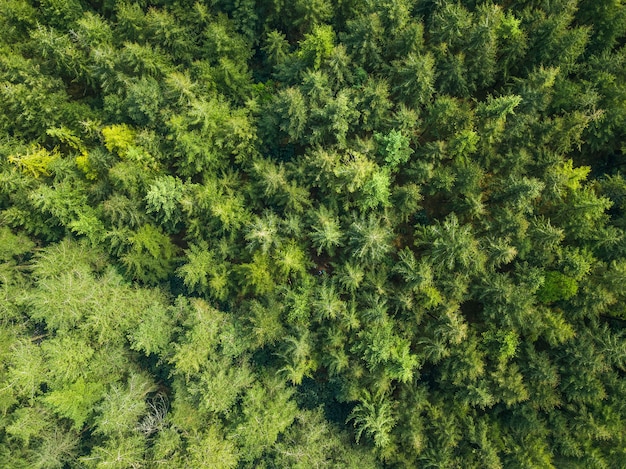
(312,234)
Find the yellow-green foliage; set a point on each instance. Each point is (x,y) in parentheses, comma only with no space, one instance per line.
(36,162)
(82,161)
(118,138)
(125,142)
(556,287)
(68,137)
(318,45)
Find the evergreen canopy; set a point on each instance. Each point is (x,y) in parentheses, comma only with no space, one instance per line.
(307,234)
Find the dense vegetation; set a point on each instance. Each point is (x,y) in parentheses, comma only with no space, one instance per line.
(312,233)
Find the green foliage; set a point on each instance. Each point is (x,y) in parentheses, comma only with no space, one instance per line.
(150,254)
(298,357)
(153,334)
(204,273)
(121,409)
(212,450)
(374,416)
(76,401)
(556,287)
(317,46)
(293,113)
(257,233)
(163,199)
(256,276)
(452,246)
(326,231)
(394,148)
(276,47)
(414,78)
(13,245)
(370,239)
(267,412)
(311,441)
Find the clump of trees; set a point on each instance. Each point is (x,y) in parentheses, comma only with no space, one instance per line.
(312,234)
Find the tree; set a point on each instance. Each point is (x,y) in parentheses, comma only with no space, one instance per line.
(263,233)
(36,163)
(276,47)
(451,246)
(326,232)
(268,405)
(204,272)
(292,260)
(291,111)
(370,238)
(256,276)
(394,148)
(149,254)
(298,357)
(211,450)
(413,79)
(374,416)
(163,199)
(257,233)
(374,105)
(311,441)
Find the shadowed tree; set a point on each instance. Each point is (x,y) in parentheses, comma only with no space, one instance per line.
(374,417)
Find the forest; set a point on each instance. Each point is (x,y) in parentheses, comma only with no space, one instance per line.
(312,234)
